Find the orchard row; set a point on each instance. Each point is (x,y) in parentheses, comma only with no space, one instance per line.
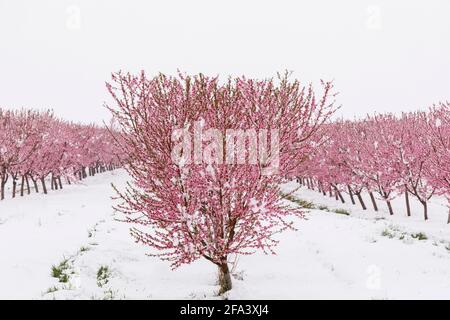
(36,147)
(385,155)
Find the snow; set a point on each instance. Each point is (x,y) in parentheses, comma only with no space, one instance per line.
(365,255)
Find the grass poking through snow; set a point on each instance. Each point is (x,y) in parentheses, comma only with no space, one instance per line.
(62,271)
(309,205)
(300,202)
(394,232)
(84,249)
(341,211)
(419,236)
(103,275)
(52,289)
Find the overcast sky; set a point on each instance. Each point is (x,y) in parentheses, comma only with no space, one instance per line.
(382,55)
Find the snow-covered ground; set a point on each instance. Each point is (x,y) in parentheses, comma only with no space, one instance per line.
(331,256)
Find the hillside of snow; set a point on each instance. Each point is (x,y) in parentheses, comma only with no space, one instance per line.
(69,244)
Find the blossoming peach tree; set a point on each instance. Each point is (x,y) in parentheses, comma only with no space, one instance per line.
(206,159)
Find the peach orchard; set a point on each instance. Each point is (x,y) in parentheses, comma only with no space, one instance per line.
(187,210)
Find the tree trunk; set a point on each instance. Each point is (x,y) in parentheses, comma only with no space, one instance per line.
(391,212)
(44,188)
(408,208)
(425,210)
(351,194)
(22,186)
(35,185)
(14,187)
(311,182)
(323,189)
(340,196)
(224,278)
(28,184)
(448,220)
(2,189)
(363,205)
(386,198)
(59,182)
(373,201)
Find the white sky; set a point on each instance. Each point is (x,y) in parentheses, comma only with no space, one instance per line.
(382,55)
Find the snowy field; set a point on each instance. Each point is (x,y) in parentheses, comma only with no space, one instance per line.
(364,255)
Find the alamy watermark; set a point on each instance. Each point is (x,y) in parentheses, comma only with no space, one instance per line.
(373,281)
(374,18)
(73,20)
(232,147)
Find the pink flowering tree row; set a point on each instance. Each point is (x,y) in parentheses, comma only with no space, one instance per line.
(37,148)
(384,155)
